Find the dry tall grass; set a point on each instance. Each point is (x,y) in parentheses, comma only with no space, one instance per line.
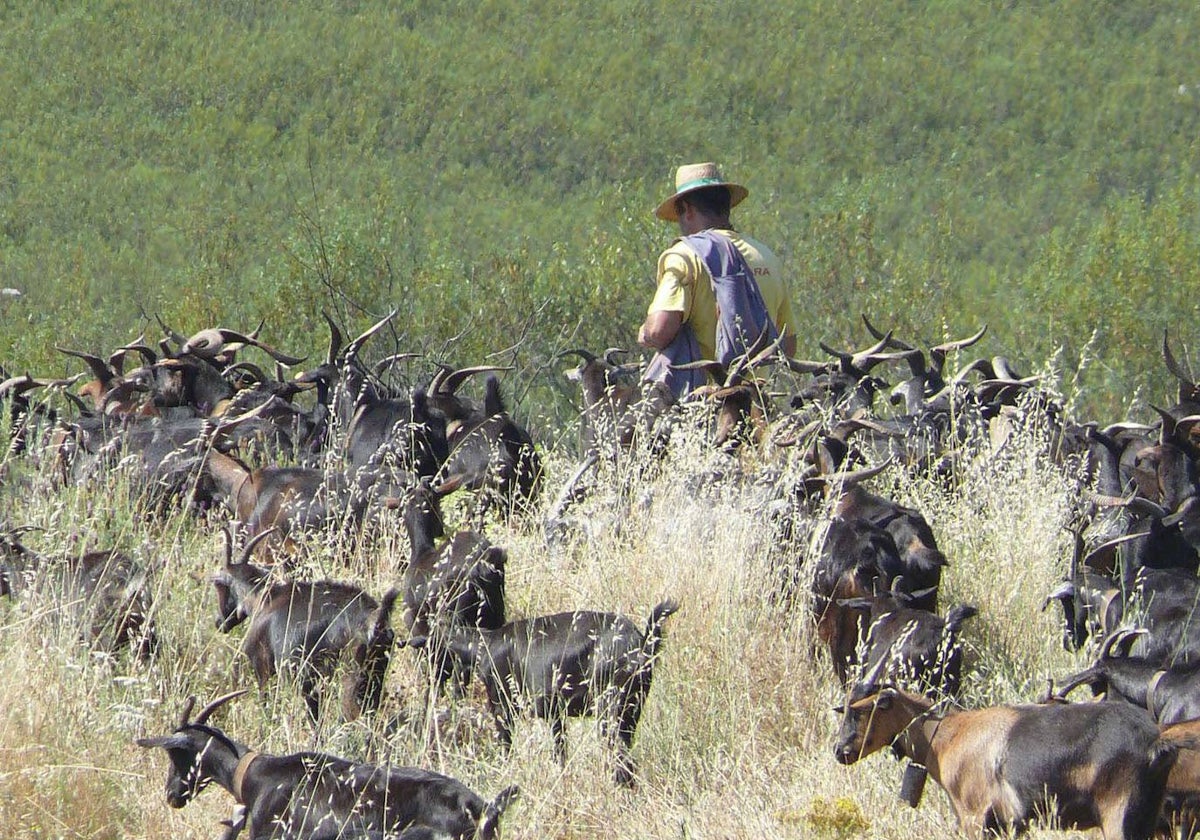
(736,740)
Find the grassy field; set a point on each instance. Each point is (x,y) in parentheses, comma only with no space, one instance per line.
(488,169)
(737,736)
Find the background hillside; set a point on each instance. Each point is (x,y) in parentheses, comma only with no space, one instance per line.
(490,167)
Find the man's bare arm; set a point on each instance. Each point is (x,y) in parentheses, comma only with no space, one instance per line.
(660,329)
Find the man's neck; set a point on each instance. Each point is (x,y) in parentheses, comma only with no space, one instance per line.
(707,223)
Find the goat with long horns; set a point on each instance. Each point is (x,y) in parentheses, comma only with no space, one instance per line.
(310,795)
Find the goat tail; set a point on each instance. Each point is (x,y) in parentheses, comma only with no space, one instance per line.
(383,616)
(653,637)
(489,824)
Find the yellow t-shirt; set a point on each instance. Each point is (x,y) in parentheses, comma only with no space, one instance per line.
(684,286)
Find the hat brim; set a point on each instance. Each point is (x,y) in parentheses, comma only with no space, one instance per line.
(666,210)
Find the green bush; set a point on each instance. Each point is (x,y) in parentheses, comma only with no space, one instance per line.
(936,166)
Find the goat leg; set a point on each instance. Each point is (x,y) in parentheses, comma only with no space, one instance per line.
(558,730)
(502,713)
(234,824)
(617,734)
(310,689)
(629,714)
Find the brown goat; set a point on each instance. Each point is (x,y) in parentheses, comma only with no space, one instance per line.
(616,411)
(105,594)
(1085,765)
(1181,808)
(288,501)
(857,560)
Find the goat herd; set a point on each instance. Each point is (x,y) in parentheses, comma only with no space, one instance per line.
(336,448)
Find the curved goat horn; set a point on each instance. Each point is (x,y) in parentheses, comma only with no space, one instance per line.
(282,358)
(354,346)
(807,366)
(20,384)
(863,360)
(186,715)
(248,548)
(880,335)
(335,339)
(1084,677)
(252,370)
(386,362)
(959,344)
(586,355)
(140,347)
(1173,365)
(99,367)
(448,380)
(1004,369)
(1121,640)
(216,704)
(171,334)
(208,344)
(227,539)
(1167,429)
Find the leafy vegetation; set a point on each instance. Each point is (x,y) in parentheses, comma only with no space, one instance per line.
(489,167)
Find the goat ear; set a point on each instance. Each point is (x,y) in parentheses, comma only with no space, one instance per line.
(884,700)
(167,742)
(922,593)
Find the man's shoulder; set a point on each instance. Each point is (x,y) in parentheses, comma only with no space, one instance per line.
(754,246)
(679,246)
(761,258)
(680,261)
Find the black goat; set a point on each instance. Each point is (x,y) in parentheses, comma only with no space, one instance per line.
(383,428)
(844,387)
(309,627)
(24,416)
(1164,602)
(921,561)
(493,453)
(568,665)
(459,584)
(911,648)
(1171,695)
(317,796)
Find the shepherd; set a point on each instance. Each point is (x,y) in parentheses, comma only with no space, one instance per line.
(720,294)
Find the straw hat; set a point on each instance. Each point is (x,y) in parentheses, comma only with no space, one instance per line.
(694,176)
